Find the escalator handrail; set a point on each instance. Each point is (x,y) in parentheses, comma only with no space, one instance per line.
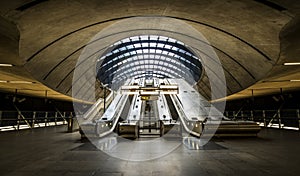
(115,117)
(94,109)
(182,116)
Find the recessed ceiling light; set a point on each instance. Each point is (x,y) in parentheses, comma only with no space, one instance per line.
(21,82)
(6,65)
(292,63)
(17,82)
(275,81)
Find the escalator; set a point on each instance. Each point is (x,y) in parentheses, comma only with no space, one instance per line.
(149,124)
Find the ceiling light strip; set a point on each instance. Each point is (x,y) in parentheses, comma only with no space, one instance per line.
(291,63)
(6,65)
(17,82)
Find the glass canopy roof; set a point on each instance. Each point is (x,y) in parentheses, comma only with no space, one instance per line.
(148,56)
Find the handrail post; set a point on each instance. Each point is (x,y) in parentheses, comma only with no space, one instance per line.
(21,116)
(55,118)
(33,119)
(18,122)
(0,118)
(46,118)
(264,116)
(298,115)
(64,117)
(279,118)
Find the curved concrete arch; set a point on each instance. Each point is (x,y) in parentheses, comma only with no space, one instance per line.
(73,52)
(76,50)
(238,38)
(67,75)
(103,48)
(53,33)
(9,42)
(103,9)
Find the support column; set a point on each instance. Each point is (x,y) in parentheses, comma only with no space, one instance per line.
(73,123)
(46,96)
(70,123)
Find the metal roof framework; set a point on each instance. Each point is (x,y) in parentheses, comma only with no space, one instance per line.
(148,56)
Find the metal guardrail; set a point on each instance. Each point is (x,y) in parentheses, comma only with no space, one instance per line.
(17,120)
(283,118)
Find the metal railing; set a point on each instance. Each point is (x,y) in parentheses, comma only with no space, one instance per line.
(17,120)
(282,118)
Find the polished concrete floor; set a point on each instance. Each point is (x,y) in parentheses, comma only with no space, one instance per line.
(53,152)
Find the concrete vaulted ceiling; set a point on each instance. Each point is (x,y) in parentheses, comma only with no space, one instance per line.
(252,39)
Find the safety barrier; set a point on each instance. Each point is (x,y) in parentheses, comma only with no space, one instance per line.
(283,119)
(17,120)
